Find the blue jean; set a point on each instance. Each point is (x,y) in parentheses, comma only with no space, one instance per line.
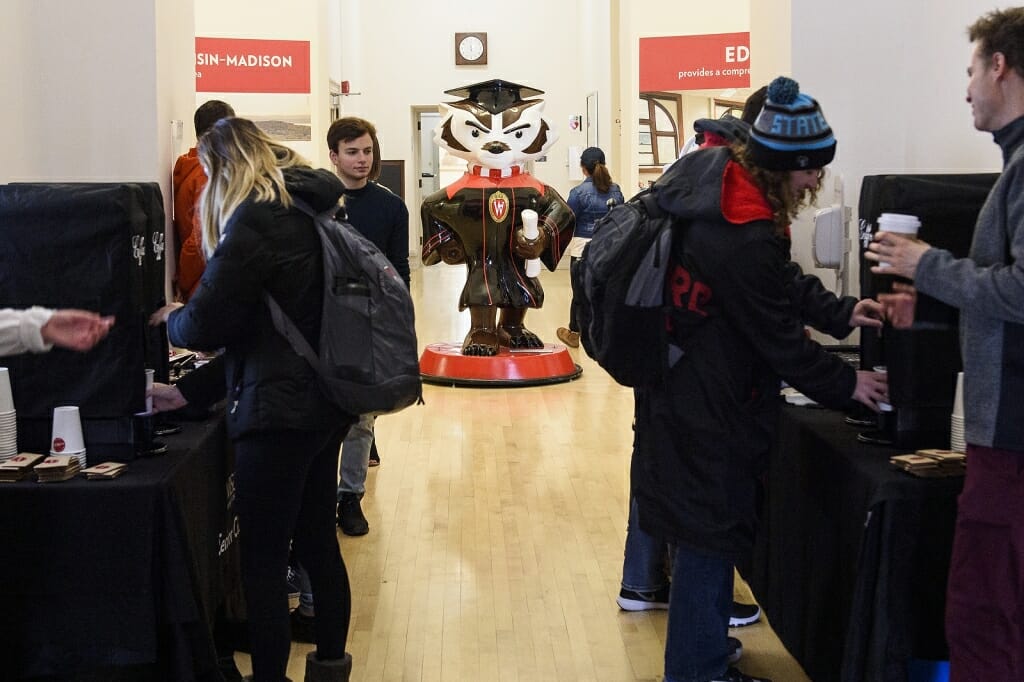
(644,562)
(355,456)
(698,616)
(574,325)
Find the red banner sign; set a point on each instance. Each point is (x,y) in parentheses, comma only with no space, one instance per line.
(248,65)
(706,62)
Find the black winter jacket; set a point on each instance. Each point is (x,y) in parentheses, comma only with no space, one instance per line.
(265,247)
(703,437)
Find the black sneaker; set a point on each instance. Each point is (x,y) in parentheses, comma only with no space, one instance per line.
(226,666)
(303,627)
(734,675)
(744,614)
(350,515)
(628,600)
(735,649)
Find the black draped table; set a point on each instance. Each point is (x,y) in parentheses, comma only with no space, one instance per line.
(120,575)
(851,561)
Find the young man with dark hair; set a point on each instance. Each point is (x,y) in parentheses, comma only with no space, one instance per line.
(985,595)
(381,217)
(188,182)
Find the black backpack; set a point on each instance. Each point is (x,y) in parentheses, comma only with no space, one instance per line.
(368,362)
(618,287)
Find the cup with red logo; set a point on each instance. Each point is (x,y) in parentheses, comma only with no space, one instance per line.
(67,433)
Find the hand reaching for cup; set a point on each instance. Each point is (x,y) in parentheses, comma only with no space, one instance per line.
(867,313)
(899,305)
(166,397)
(162,313)
(76,329)
(872,388)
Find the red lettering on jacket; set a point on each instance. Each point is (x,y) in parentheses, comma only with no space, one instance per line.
(687,293)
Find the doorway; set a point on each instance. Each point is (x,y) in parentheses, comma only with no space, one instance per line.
(426,169)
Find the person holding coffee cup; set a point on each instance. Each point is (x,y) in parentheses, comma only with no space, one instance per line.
(738,312)
(984,594)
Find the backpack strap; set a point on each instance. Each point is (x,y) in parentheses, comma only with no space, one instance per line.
(286,328)
(282,323)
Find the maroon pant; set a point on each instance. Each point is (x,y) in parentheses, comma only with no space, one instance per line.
(985,596)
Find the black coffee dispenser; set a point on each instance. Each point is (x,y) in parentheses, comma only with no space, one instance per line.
(922,362)
(98,246)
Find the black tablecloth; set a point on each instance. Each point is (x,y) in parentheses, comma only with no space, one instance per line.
(127,572)
(851,562)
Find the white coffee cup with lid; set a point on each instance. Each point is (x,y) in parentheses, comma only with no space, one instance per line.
(898,223)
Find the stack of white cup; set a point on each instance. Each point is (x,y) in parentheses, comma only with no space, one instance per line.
(8,418)
(67,434)
(956,420)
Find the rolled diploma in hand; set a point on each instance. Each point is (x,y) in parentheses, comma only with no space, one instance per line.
(531,232)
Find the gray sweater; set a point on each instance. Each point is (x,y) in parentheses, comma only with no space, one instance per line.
(988,289)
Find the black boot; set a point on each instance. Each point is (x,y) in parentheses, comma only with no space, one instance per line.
(333,670)
(350,515)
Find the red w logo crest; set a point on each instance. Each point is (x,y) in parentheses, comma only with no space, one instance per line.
(497,206)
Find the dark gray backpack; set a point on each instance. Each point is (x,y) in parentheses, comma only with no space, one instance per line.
(618,287)
(368,362)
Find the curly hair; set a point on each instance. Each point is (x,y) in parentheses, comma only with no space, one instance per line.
(1001,31)
(775,185)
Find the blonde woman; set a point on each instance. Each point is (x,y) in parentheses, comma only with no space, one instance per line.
(285,433)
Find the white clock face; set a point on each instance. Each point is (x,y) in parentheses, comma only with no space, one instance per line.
(471,48)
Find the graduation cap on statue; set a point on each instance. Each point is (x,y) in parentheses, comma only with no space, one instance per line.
(494,95)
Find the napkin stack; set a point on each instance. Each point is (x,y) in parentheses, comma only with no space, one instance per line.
(17,467)
(57,468)
(105,471)
(932,463)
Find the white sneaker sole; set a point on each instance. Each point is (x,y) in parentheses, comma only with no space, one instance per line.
(735,622)
(638,605)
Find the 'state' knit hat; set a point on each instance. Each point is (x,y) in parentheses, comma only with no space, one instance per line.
(791,133)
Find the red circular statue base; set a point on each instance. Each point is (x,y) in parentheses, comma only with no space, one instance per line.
(444,363)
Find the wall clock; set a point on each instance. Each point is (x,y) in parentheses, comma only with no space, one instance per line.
(470,48)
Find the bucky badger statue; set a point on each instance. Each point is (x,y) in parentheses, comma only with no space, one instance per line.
(477,220)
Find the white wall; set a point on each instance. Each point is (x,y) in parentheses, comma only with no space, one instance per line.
(891,78)
(85,99)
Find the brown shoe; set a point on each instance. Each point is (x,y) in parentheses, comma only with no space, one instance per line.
(569,338)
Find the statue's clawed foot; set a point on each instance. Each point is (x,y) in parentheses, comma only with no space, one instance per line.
(480,342)
(517,336)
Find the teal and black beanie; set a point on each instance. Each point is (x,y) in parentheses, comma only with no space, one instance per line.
(790,133)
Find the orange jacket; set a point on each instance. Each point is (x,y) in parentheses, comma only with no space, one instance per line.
(188,183)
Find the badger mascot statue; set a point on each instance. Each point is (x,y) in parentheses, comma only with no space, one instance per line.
(477,220)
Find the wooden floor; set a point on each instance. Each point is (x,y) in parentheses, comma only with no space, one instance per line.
(497,522)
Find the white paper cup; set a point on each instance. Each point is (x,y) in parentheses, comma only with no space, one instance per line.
(898,223)
(6,396)
(67,430)
(958,400)
(150,373)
